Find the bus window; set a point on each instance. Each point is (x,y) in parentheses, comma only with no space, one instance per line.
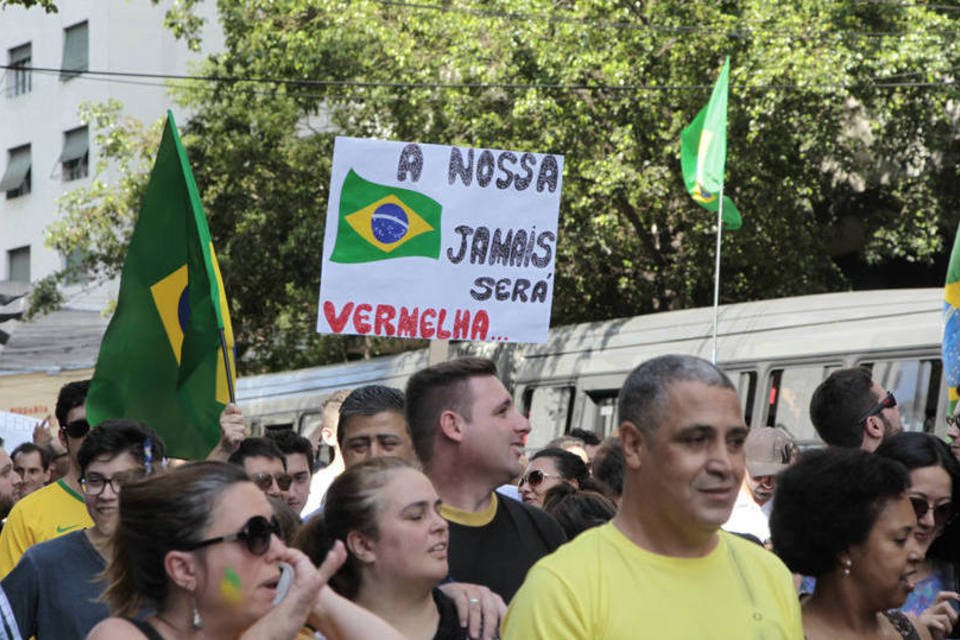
(788,402)
(915,383)
(548,409)
(310,421)
(746,382)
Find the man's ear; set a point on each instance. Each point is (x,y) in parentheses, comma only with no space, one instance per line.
(451,425)
(183,569)
(361,547)
(635,444)
(873,428)
(62,437)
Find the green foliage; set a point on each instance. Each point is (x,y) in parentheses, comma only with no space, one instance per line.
(50,6)
(842,139)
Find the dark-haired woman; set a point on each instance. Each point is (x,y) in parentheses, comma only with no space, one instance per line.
(387,514)
(844,517)
(934,482)
(577,510)
(548,468)
(199,546)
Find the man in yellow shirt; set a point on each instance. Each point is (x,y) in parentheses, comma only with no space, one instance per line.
(663,568)
(58,508)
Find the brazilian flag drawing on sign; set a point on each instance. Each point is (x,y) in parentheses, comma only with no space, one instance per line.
(161,359)
(377,222)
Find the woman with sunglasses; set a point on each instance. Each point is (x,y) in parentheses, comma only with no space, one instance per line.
(550,467)
(843,516)
(934,483)
(199,546)
(387,514)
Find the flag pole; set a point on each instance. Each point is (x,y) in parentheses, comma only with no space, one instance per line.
(226,366)
(716,276)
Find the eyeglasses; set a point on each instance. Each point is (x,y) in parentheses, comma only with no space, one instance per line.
(887,402)
(535,478)
(952,421)
(257,534)
(263,480)
(78,428)
(942,514)
(94,483)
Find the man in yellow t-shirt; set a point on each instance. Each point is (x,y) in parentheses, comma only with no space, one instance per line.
(57,508)
(663,568)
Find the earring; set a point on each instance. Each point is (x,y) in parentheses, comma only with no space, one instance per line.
(847,565)
(196,622)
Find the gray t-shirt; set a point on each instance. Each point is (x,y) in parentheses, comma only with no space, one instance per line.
(52,592)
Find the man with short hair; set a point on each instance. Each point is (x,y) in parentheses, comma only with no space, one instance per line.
(32,463)
(469,436)
(9,485)
(53,592)
(327,434)
(264,463)
(662,568)
(298,456)
(849,409)
(373,425)
(58,507)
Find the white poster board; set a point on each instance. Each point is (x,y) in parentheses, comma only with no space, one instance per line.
(437,242)
(15,429)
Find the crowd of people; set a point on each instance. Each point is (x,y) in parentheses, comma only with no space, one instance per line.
(417,514)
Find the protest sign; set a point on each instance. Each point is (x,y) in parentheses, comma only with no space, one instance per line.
(15,429)
(437,242)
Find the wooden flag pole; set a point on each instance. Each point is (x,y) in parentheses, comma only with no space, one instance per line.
(716,276)
(226,366)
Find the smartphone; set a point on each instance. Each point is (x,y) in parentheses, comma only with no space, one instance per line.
(286,579)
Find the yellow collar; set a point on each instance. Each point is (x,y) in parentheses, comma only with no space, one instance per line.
(471,518)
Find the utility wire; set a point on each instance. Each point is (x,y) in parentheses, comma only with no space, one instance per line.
(546,86)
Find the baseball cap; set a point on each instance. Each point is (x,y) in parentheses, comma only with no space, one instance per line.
(768,451)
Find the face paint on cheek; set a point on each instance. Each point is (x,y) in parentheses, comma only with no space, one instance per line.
(230,587)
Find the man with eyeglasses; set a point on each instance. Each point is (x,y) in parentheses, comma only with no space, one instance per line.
(849,409)
(264,463)
(298,458)
(953,431)
(57,508)
(53,591)
(663,567)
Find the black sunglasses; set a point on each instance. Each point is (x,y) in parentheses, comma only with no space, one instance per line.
(535,478)
(942,514)
(263,480)
(887,402)
(256,534)
(77,428)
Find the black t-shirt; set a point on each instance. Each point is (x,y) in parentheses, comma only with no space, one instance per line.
(449,627)
(497,548)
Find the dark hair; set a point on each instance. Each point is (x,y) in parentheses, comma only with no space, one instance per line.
(569,465)
(829,501)
(28,448)
(439,388)
(643,398)
(576,510)
(114,437)
(72,395)
(289,443)
(916,450)
(254,448)
(157,515)
(837,403)
(351,504)
(288,519)
(608,466)
(369,401)
(587,437)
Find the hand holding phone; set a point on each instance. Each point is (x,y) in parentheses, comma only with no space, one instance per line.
(283,586)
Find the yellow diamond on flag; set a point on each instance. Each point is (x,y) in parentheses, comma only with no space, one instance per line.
(388,223)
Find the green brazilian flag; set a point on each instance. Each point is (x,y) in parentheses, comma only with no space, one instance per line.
(377,222)
(161,359)
(703,153)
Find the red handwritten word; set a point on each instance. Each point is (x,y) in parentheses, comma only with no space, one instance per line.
(28,410)
(387,320)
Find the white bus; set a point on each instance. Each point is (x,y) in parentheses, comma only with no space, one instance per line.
(775,351)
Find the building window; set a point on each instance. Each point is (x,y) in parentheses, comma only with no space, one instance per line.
(75,51)
(74,159)
(18,264)
(20,80)
(16,179)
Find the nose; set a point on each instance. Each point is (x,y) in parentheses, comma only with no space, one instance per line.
(953,432)
(523,425)
(721,460)
(438,523)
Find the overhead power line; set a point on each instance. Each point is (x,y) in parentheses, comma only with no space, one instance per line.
(881,83)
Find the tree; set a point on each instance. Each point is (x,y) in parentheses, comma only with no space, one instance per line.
(842,139)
